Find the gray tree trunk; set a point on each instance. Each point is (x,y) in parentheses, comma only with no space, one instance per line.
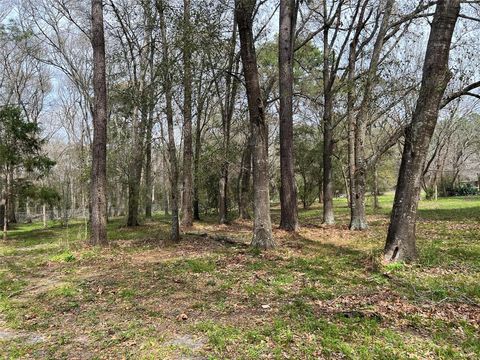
(98,215)
(400,244)
(187,199)
(262,228)
(172,152)
(288,189)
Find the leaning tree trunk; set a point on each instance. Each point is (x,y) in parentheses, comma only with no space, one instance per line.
(288,190)
(262,228)
(400,244)
(98,215)
(187,199)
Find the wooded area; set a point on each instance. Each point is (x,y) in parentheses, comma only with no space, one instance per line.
(283,136)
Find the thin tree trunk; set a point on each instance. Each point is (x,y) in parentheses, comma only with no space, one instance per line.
(98,216)
(227,114)
(172,152)
(148,170)
(288,189)
(44,213)
(135,174)
(3,218)
(187,200)
(400,244)
(376,204)
(196,163)
(4,206)
(328,143)
(244,188)
(12,219)
(262,228)
(358,220)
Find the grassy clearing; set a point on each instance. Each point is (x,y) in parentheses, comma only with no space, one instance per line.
(322,294)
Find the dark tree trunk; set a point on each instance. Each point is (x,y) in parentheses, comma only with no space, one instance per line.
(196,165)
(98,215)
(288,190)
(400,244)
(136,166)
(2,214)
(262,228)
(187,200)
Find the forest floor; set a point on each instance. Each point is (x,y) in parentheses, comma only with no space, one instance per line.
(323,293)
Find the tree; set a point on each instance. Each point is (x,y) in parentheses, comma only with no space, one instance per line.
(172,151)
(262,227)
(286,40)
(98,196)
(187,200)
(400,244)
(20,151)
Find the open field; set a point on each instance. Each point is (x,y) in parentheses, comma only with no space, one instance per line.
(322,294)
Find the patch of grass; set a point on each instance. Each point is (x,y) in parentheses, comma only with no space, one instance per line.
(128,298)
(65,256)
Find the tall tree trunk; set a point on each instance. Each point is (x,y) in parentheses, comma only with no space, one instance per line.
(328,126)
(98,216)
(358,220)
(187,201)
(196,164)
(172,152)
(231,86)
(136,165)
(262,228)
(400,244)
(328,144)
(288,190)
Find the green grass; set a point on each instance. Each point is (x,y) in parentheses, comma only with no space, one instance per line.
(322,294)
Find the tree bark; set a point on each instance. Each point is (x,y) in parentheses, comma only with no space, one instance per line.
(187,200)
(227,114)
(288,190)
(98,216)
(328,126)
(148,169)
(244,188)
(358,219)
(400,244)
(172,152)
(262,228)
(376,204)
(196,163)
